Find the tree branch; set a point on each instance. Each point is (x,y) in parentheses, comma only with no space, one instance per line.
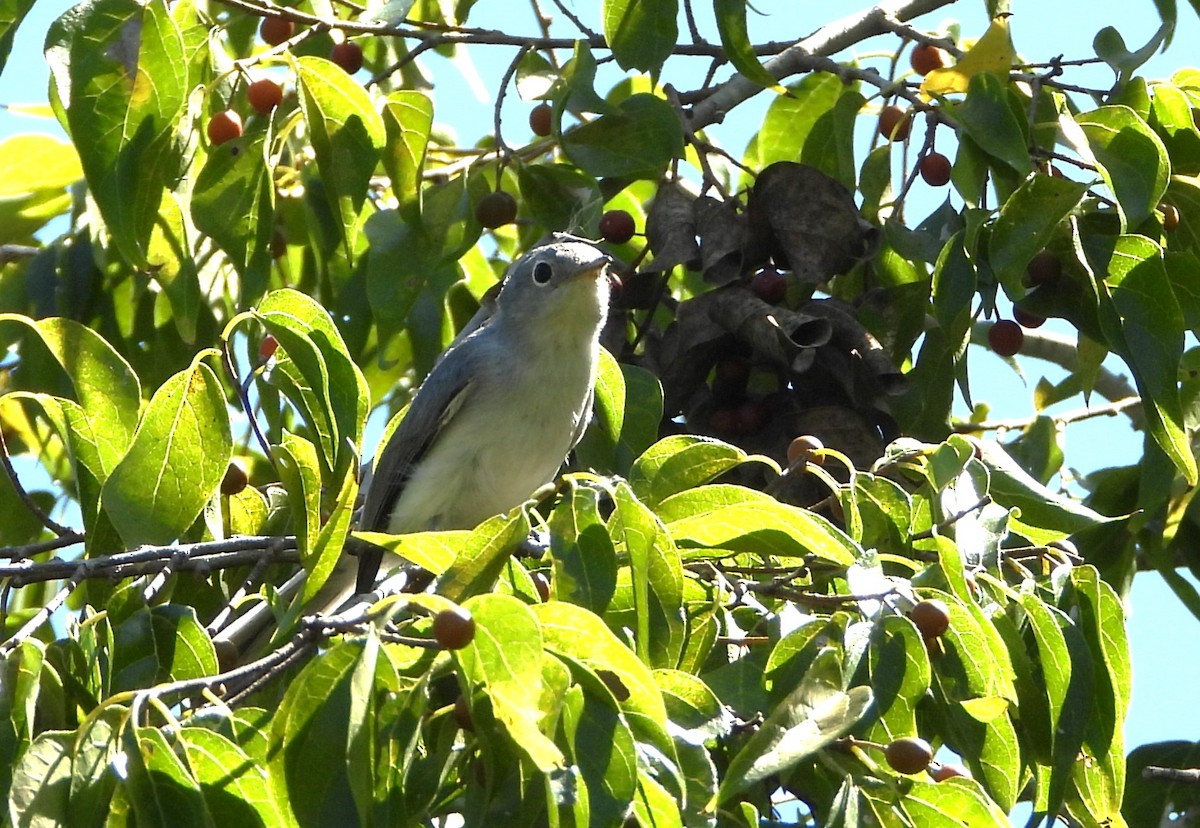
(826,41)
(205,556)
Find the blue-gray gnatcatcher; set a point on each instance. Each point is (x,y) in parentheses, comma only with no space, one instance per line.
(503,406)
(493,421)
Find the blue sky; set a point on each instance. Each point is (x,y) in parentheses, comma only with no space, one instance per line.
(1164,686)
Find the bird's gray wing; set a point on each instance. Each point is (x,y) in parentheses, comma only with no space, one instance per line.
(440,396)
(585,417)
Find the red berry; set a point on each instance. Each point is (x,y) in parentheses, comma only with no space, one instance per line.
(802,448)
(224,126)
(453,629)
(909,755)
(926,57)
(347,55)
(894,123)
(542,584)
(1045,268)
(723,421)
(944,771)
(236,478)
(617,226)
(276,30)
(935,169)
(268,347)
(462,715)
(496,209)
(1006,337)
(1026,319)
(769,285)
(732,372)
(541,120)
(751,416)
(264,95)
(1170,217)
(931,617)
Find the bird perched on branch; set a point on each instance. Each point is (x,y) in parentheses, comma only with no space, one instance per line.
(493,421)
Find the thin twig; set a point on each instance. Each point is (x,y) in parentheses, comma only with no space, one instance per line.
(579,24)
(504,149)
(30,504)
(1188,776)
(953,519)
(16,252)
(30,549)
(1075,415)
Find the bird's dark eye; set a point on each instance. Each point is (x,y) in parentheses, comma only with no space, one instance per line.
(542,272)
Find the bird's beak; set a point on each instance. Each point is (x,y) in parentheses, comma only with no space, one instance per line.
(595,268)
(600,268)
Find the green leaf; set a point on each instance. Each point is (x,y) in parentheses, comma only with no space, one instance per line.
(899,672)
(628,404)
(602,747)
(31,162)
(177,459)
(988,119)
(160,786)
(585,563)
(483,555)
(233,784)
(175,270)
(1056,672)
(735,41)
(1171,115)
(579,635)
(326,549)
(1151,327)
(757,524)
(234,202)
(817,712)
(41,786)
(434,551)
(1046,515)
(505,659)
(657,577)
(681,462)
(159,644)
(636,139)
(119,69)
(12,12)
(1132,160)
(300,474)
(1110,47)
(829,146)
(348,137)
(337,396)
(1184,193)
(953,803)
(407,120)
(641,33)
(791,118)
(1026,224)
(105,385)
(310,730)
(558,196)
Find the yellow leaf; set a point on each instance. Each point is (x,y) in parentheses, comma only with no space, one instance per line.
(984,709)
(992,53)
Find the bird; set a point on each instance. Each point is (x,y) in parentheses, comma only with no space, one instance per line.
(502,407)
(491,424)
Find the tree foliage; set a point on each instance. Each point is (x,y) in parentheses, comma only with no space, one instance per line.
(714,624)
